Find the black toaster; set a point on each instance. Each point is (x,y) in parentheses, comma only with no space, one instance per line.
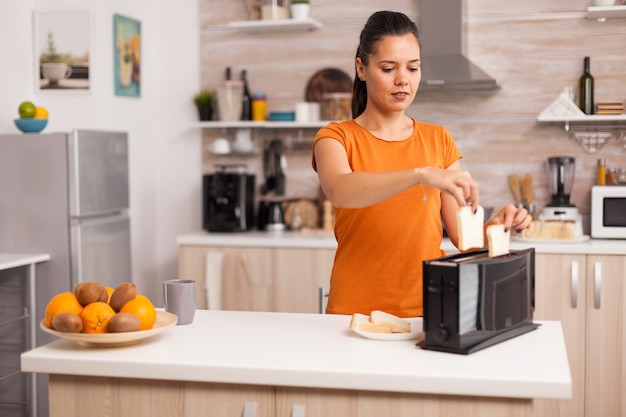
(472,301)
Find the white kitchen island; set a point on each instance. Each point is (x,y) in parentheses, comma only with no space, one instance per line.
(230,363)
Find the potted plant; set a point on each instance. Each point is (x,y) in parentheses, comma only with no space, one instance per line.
(300,9)
(204,103)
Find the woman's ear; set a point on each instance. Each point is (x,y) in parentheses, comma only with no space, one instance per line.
(359,69)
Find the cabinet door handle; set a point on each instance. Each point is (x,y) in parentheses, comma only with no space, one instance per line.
(322,296)
(597,281)
(574,278)
(243,261)
(298,410)
(249,409)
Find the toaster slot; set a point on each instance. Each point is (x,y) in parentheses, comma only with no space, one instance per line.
(441,305)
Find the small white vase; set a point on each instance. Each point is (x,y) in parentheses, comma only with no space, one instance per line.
(300,11)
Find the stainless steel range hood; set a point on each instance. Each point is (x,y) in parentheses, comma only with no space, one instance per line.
(444,66)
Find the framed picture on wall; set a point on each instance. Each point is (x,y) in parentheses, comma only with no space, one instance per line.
(63,50)
(127,56)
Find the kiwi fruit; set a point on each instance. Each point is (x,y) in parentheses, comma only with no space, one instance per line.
(90,292)
(125,292)
(123,322)
(67,323)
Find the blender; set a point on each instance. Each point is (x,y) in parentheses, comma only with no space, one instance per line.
(560,178)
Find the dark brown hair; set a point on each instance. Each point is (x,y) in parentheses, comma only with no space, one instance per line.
(378,25)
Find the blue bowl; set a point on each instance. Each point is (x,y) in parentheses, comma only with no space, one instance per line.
(31,125)
(282,116)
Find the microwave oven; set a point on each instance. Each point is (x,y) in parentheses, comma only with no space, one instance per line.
(608,212)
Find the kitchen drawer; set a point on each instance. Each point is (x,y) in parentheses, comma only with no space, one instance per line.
(12,293)
(13,388)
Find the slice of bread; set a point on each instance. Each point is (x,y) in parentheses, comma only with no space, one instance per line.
(362,323)
(498,240)
(397,324)
(470,228)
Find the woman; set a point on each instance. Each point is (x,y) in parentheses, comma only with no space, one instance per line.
(391,179)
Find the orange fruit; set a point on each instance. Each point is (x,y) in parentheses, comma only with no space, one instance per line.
(142,307)
(96,316)
(65,302)
(40,113)
(110,292)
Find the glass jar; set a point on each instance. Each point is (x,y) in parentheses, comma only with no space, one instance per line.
(611,176)
(337,106)
(259,107)
(601,177)
(274,9)
(621,176)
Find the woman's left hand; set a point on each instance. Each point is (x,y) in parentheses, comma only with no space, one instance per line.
(514,219)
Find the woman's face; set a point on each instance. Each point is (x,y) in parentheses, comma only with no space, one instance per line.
(393,73)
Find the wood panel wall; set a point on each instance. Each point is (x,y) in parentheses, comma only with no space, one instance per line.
(533,47)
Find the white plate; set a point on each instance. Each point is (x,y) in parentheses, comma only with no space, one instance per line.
(163,321)
(415,333)
(577,239)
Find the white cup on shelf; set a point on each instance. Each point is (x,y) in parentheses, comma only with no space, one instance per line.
(220,146)
(243,141)
(302,112)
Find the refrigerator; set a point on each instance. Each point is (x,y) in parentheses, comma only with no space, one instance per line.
(66,194)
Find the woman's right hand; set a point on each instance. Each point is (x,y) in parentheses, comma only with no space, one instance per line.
(454,181)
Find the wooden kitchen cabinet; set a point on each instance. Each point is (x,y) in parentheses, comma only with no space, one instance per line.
(606,336)
(259,278)
(246,281)
(560,295)
(103,397)
(315,402)
(566,289)
(298,276)
(350,403)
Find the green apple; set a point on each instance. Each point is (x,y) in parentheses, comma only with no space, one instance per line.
(27,110)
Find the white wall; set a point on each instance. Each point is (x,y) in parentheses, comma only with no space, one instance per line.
(165,162)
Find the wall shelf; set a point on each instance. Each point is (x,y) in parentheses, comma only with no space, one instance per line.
(605,12)
(260,125)
(280,25)
(592,132)
(618,119)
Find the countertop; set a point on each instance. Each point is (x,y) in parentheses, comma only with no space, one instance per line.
(326,240)
(13,260)
(318,351)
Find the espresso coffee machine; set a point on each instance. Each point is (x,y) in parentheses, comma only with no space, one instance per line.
(228,199)
(560,178)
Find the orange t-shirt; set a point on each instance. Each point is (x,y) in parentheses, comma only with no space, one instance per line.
(380,248)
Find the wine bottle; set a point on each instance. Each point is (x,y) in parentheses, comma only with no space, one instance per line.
(246,98)
(585,91)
